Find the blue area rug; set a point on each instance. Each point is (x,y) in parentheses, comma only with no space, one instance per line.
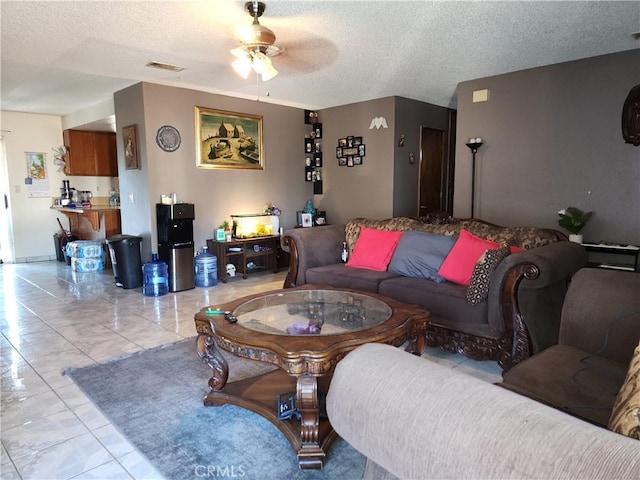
(154,398)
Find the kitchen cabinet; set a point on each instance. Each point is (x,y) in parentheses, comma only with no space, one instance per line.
(90,153)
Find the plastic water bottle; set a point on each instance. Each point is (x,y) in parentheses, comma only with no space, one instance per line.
(206,269)
(155,276)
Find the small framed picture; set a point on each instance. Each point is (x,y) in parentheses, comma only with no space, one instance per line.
(338,152)
(349,141)
(342,162)
(307,220)
(130,140)
(342,142)
(308,145)
(317,159)
(361,150)
(357,160)
(349,161)
(357,141)
(317,129)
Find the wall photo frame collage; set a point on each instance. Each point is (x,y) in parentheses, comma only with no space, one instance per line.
(350,151)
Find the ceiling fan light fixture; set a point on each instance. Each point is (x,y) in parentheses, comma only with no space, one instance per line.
(257,44)
(255,35)
(263,66)
(242,66)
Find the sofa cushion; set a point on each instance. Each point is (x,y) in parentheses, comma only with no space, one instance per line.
(459,264)
(373,249)
(478,288)
(420,255)
(625,418)
(339,275)
(447,303)
(580,383)
(400,224)
(524,237)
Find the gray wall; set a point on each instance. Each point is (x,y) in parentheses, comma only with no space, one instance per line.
(552,140)
(365,190)
(216,193)
(385,185)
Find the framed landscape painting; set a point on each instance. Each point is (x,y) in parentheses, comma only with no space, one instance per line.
(228,140)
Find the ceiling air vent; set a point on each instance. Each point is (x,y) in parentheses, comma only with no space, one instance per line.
(165,66)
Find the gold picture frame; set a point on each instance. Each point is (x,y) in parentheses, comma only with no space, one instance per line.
(228,140)
(130,140)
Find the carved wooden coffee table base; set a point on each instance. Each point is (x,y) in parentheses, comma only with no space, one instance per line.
(306,364)
(310,437)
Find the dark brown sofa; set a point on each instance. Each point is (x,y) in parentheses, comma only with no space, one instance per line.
(520,317)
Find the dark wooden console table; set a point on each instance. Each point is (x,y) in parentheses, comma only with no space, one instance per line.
(248,255)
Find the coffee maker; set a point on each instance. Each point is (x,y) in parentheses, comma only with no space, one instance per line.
(65,193)
(175,243)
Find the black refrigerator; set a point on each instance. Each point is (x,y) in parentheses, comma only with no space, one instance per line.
(175,243)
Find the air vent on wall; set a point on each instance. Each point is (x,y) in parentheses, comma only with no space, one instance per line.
(165,66)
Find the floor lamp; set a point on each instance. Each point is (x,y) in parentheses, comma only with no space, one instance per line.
(474,144)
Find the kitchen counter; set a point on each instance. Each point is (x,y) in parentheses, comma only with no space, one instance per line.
(100,217)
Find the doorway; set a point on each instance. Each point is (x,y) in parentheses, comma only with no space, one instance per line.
(435,182)
(6,246)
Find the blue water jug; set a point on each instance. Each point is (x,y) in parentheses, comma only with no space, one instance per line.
(155,276)
(206,269)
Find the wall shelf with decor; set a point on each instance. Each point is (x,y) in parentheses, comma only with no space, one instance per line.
(313,151)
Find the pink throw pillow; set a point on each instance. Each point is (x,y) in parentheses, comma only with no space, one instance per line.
(459,264)
(374,248)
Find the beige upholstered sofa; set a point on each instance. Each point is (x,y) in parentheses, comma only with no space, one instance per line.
(519,317)
(415,419)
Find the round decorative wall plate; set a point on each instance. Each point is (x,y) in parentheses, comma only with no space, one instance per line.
(168,138)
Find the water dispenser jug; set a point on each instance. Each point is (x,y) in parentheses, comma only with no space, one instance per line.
(206,269)
(156,277)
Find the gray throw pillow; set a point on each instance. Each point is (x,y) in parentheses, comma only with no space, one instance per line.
(420,254)
(478,288)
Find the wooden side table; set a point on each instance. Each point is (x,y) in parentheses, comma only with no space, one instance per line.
(248,255)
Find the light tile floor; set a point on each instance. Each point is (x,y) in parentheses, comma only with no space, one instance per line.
(51,319)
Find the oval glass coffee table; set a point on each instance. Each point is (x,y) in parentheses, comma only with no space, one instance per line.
(304,331)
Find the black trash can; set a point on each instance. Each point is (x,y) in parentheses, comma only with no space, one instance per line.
(60,241)
(125,260)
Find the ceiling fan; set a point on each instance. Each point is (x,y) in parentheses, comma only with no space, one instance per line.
(257,46)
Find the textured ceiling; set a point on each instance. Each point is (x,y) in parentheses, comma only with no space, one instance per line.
(58,57)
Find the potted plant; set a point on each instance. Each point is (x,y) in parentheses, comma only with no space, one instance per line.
(573,220)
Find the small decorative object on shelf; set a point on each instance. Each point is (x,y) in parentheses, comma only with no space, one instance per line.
(574,220)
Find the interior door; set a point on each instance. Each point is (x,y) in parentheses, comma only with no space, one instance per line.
(432,167)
